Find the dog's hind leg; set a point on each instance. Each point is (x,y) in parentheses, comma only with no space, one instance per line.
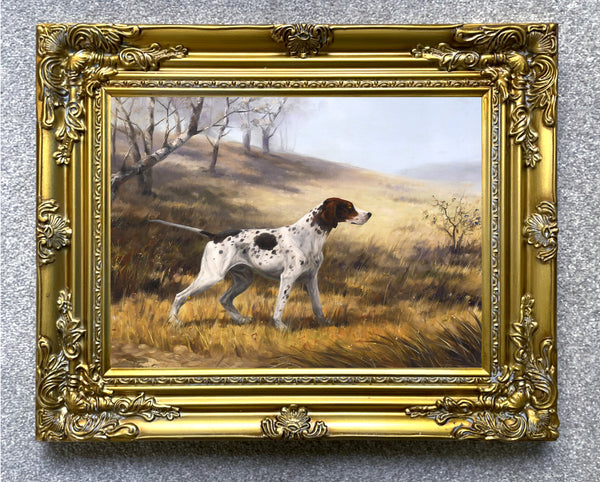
(242,279)
(209,275)
(199,285)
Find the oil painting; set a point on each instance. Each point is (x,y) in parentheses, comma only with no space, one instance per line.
(296,232)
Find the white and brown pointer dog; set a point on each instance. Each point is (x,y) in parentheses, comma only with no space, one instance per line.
(288,254)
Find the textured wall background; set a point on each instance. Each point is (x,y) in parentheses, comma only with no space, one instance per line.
(573,457)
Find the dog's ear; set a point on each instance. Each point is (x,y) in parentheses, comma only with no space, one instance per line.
(329,213)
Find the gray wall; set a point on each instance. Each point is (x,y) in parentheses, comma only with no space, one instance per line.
(573,457)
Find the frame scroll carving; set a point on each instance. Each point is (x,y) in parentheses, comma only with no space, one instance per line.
(73,403)
(303,39)
(75,60)
(53,231)
(519,404)
(541,230)
(522,62)
(293,422)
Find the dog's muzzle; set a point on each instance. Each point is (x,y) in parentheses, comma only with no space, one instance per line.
(361,218)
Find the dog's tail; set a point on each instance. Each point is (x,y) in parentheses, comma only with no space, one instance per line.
(201,232)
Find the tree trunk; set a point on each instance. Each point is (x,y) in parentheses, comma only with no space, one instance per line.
(145,182)
(265,143)
(247,139)
(213,162)
(144,178)
(147,163)
(455,241)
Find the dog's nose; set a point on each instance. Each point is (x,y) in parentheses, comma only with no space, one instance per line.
(369,215)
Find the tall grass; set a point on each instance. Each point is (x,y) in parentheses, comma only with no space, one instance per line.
(458,345)
(395,294)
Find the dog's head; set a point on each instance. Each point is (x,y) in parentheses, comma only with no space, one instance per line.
(335,210)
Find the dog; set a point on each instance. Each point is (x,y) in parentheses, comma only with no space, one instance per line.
(287,254)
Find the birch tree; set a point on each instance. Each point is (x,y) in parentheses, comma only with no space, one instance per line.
(221,128)
(246,117)
(174,136)
(270,116)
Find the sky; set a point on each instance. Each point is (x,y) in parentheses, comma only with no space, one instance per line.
(387,134)
(395,135)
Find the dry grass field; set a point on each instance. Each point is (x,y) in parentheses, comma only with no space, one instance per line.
(395,294)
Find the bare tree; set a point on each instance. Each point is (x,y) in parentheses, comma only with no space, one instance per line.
(128,128)
(177,119)
(246,106)
(455,218)
(145,177)
(173,138)
(222,129)
(270,118)
(133,131)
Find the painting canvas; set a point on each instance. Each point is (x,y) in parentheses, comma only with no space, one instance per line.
(296,232)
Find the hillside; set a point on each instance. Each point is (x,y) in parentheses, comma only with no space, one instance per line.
(384,285)
(281,187)
(466,174)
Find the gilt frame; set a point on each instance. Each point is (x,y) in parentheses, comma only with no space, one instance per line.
(513,68)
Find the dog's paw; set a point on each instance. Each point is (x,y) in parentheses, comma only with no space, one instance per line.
(174,321)
(324,321)
(280,325)
(242,320)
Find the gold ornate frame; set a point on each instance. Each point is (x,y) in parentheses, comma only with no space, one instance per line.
(513,68)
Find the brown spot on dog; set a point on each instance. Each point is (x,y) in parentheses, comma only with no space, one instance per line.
(265,241)
(333,211)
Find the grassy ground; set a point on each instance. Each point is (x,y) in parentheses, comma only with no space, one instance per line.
(394,293)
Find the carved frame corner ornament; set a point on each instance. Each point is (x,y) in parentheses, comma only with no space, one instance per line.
(74,61)
(521,60)
(541,230)
(53,231)
(293,422)
(302,39)
(519,404)
(72,402)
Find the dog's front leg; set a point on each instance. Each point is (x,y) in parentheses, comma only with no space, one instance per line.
(312,286)
(285,287)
